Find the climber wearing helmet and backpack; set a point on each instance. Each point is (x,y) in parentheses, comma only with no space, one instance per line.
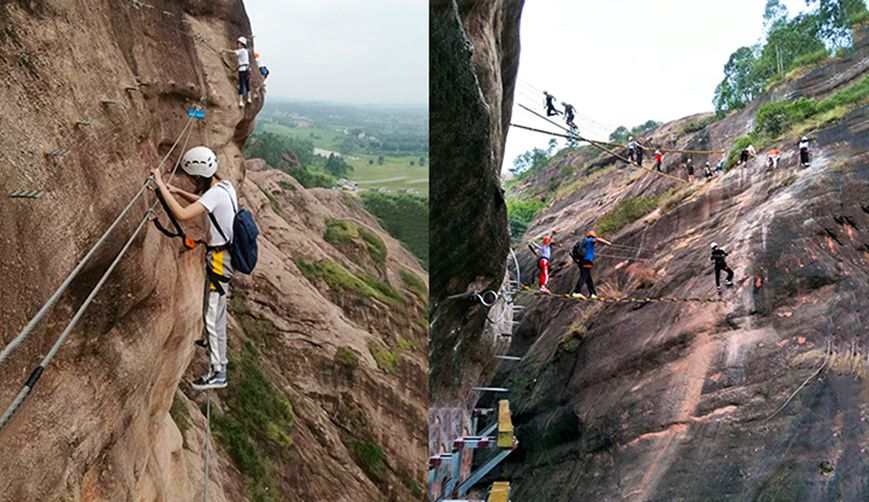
(544,255)
(583,255)
(216,198)
(243,57)
(719,257)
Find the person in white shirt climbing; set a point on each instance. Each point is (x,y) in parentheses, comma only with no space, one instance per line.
(243,57)
(218,199)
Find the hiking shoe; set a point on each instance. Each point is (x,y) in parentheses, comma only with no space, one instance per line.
(202,343)
(718,288)
(240,103)
(544,289)
(594,297)
(215,380)
(729,284)
(578,296)
(249,100)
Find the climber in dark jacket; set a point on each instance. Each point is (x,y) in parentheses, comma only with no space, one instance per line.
(550,105)
(719,257)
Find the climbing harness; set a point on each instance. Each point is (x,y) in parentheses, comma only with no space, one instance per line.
(39,370)
(626,299)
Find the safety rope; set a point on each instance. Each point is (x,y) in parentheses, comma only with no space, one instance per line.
(207,442)
(52,300)
(788,400)
(596,145)
(627,299)
(662,150)
(38,371)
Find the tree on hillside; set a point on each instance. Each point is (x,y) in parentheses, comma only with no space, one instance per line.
(620,135)
(422,161)
(336,166)
(380,160)
(788,43)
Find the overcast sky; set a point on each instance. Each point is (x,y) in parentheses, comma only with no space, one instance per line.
(352,51)
(622,62)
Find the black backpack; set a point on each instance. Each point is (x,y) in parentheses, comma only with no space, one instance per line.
(578,251)
(243,247)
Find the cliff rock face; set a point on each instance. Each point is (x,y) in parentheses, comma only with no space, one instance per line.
(670,400)
(110,81)
(474,55)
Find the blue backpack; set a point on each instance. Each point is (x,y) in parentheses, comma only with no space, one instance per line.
(242,248)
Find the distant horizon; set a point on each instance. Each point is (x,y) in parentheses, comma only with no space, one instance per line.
(325,101)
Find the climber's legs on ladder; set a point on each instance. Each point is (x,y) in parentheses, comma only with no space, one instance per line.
(214,318)
(243,86)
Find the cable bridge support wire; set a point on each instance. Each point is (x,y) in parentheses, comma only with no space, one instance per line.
(593,143)
(52,300)
(38,371)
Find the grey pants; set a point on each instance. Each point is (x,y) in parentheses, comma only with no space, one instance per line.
(214,309)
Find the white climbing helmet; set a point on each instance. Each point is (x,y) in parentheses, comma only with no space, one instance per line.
(714,245)
(199,161)
(805,138)
(242,41)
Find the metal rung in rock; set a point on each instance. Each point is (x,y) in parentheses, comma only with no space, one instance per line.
(507,335)
(131,88)
(26,194)
(108,102)
(59,152)
(509,358)
(84,122)
(491,389)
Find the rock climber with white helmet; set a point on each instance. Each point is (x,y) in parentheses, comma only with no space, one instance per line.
(243,56)
(804,151)
(719,257)
(218,199)
(583,255)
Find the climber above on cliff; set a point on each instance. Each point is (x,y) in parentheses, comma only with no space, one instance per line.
(583,255)
(658,158)
(263,70)
(690,167)
(218,199)
(243,56)
(550,105)
(719,257)
(569,111)
(804,152)
(544,256)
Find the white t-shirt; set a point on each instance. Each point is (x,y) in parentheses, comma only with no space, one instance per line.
(243,59)
(217,202)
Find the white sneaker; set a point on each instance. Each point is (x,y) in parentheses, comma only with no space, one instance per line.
(579,296)
(248,99)
(594,297)
(240,103)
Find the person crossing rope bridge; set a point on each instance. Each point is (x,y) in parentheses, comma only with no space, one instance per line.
(544,256)
(582,254)
(549,103)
